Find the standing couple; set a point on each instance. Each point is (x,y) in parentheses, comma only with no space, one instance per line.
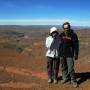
(62,48)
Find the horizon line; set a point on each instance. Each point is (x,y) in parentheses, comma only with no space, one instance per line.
(43,22)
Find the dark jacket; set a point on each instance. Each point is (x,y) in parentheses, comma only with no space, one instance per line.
(69,44)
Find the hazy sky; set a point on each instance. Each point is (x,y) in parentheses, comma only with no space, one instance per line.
(45,12)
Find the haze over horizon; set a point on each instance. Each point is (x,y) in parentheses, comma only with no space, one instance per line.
(45,12)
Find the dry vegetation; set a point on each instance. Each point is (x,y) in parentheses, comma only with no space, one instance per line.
(23,62)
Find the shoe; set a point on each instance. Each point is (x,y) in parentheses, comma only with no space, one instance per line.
(49,81)
(64,81)
(74,83)
(55,81)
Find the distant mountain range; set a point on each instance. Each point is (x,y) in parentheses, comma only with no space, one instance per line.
(36,27)
(41,31)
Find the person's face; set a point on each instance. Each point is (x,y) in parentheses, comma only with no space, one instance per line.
(54,34)
(66,28)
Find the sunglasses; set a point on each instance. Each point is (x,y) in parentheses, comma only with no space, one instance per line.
(66,28)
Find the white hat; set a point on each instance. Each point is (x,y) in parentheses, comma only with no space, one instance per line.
(53,29)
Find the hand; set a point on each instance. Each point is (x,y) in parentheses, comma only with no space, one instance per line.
(76,57)
(54,37)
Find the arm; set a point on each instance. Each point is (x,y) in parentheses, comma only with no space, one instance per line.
(49,42)
(76,46)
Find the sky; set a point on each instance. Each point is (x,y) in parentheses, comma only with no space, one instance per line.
(45,12)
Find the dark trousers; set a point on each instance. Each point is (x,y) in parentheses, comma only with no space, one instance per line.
(52,67)
(67,66)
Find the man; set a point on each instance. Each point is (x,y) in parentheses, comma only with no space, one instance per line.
(68,52)
(52,44)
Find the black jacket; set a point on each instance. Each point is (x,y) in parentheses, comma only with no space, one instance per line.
(69,44)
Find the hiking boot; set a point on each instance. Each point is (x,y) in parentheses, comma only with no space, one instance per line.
(74,83)
(64,81)
(55,81)
(49,81)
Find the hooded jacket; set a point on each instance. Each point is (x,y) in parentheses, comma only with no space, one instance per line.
(53,46)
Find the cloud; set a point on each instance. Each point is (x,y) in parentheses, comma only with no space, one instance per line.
(33,20)
(80,22)
(43,22)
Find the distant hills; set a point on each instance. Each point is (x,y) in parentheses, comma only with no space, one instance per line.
(36,31)
(36,27)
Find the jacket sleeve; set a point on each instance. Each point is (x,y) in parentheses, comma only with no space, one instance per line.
(76,45)
(49,42)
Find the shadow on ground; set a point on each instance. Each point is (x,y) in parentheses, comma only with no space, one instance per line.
(83,77)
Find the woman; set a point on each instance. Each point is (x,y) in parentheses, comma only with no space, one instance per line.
(52,44)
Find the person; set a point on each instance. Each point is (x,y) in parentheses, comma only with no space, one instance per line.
(68,53)
(52,44)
